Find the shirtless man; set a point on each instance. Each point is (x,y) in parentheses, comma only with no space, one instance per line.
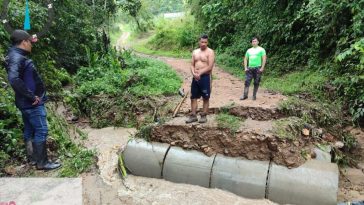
(203,60)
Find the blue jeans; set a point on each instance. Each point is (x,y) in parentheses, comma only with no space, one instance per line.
(35,124)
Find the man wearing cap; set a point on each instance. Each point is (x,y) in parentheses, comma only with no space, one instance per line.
(254,64)
(29,98)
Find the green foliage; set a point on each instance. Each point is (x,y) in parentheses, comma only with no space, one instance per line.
(298,35)
(344,157)
(11,143)
(75,158)
(145,132)
(61,50)
(351,83)
(321,114)
(288,128)
(296,82)
(175,34)
(108,94)
(164,6)
(132,7)
(227,121)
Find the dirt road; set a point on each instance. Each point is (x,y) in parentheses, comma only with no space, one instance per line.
(226,88)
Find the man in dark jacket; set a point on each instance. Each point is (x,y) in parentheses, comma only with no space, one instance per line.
(29,98)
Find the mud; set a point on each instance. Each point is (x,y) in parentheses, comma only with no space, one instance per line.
(145,191)
(254,140)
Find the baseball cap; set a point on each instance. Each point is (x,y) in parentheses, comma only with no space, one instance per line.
(20,35)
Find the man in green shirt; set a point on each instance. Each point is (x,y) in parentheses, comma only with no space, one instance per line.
(254,64)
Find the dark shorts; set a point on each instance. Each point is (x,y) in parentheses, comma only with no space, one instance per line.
(201,88)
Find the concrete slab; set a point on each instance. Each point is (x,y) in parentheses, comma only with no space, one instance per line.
(322,155)
(315,182)
(142,158)
(246,178)
(187,166)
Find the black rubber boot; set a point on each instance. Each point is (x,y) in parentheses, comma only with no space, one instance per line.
(245,95)
(255,90)
(40,152)
(30,153)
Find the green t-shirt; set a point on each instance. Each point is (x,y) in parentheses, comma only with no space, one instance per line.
(254,56)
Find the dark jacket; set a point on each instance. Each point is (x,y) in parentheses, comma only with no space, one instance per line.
(24,78)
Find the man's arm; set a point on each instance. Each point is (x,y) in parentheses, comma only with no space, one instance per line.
(210,63)
(264,58)
(193,70)
(17,83)
(246,63)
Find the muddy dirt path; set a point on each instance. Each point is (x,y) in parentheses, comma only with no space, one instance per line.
(226,88)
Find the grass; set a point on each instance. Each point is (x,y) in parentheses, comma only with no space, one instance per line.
(296,82)
(142,46)
(288,128)
(227,121)
(322,114)
(75,158)
(110,95)
(303,81)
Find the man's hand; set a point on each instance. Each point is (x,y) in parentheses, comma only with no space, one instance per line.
(37,100)
(261,70)
(196,76)
(246,69)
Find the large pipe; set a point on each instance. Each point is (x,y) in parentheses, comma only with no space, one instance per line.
(187,166)
(142,158)
(246,178)
(315,182)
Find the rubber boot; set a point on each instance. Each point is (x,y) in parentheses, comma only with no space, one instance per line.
(30,153)
(203,118)
(255,90)
(245,95)
(40,152)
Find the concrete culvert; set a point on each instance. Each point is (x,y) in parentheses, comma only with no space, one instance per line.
(142,158)
(245,178)
(190,167)
(315,182)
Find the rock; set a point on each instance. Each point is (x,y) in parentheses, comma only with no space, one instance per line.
(322,155)
(339,144)
(273,146)
(204,146)
(10,170)
(306,132)
(226,151)
(290,162)
(185,146)
(313,155)
(328,137)
(74,118)
(173,143)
